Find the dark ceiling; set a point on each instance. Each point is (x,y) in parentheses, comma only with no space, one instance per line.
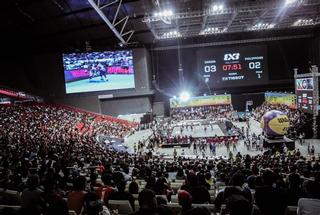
(68,24)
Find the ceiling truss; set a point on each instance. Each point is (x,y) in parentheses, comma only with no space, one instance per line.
(240,18)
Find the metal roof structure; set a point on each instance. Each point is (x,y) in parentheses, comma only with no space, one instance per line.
(214,17)
(70,23)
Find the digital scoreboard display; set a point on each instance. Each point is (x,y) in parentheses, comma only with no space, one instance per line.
(234,66)
(304,92)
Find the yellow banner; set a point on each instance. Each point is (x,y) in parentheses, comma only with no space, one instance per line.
(201,101)
(281,99)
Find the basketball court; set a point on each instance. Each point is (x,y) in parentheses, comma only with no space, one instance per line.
(221,150)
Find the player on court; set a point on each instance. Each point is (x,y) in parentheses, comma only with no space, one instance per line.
(102,72)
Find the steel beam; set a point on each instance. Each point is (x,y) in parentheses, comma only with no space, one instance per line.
(112,24)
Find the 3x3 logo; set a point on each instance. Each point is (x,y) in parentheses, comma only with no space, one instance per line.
(231,56)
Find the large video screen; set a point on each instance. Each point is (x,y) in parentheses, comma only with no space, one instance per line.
(304,92)
(233,66)
(98,71)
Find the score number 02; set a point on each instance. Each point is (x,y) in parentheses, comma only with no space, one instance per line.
(255,65)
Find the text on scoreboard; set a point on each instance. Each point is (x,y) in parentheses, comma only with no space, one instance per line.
(232,67)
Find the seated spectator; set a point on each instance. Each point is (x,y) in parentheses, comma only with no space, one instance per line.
(238,205)
(163,209)
(180,174)
(199,193)
(59,207)
(31,197)
(185,201)
(133,187)
(50,195)
(162,188)
(147,202)
(121,194)
(270,199)
(9,211)
(209,179)
(93,181)
(76,197)
(93,205)
(198,211)
(105,191)
(234,189)
(311,204)
(294,190)
(251,180)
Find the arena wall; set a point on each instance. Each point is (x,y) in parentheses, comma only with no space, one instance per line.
(42,74)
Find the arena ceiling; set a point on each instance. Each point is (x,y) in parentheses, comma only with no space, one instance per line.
(73,22)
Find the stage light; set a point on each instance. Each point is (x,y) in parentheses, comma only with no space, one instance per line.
(164,13)
(170,34)
(262,26)
(213,31)
(184,96)
(289,2)
(217,9)
(304,22)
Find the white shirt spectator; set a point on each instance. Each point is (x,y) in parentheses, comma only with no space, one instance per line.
(308,206)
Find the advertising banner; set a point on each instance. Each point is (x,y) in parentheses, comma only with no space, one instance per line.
(201,101)
(281,99)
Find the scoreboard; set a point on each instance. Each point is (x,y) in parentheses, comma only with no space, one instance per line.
(233,67)
(304,92)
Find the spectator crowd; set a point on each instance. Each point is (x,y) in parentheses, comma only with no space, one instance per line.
(202,112)
(51,157)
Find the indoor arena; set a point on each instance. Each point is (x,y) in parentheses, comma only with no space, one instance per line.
(160,107)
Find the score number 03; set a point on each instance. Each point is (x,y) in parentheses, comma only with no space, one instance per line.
(211,68)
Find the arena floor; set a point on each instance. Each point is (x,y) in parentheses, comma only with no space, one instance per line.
(198,131)
(96,84)
(220,150)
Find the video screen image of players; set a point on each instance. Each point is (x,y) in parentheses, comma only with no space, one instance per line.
(98,71)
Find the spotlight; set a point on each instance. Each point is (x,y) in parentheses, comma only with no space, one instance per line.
(171,34)
(164,13)
(262,26)
(289,2)
(184,96)
(217,8)
(304,22)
